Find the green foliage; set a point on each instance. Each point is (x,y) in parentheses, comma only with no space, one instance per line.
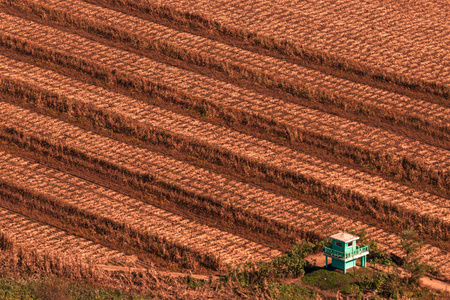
(293,263)
(291,291)
(376,255)
(331,281)
(12,290)
(79,291)
(410,241)
(391,285)
(410,244)
(259,275)
(416,271)
(385,284)
(193,283)
(53,288)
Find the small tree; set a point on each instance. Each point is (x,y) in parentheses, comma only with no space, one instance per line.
(410,243)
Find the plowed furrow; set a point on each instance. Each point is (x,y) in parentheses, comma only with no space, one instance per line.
(262,64)
(228,192)
(376,34)
(43,238)
(122,209)
(239,144)
(351,133)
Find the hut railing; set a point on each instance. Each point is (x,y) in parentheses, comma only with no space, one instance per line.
(340,254)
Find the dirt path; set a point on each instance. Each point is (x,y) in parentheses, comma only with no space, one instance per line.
(318,260)
(434,284)
(163,273)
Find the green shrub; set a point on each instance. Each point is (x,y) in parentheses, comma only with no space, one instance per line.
(292,264)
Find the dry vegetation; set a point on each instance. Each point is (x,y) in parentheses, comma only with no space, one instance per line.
(172,126)
(272,27)
(141,225)
(299,121)
(48,240)
(17,260)
(274,73)
(222,146)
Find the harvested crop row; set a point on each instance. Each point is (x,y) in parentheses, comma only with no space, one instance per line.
(374,34)
(50,240)
(228,193)
(427,254)
(221,54)
(96,200)
(294,214)
(193,179)
(24,255)
(331,175)
(429,159)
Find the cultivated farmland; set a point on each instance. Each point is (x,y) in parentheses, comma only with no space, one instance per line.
(49,240)
(189,137)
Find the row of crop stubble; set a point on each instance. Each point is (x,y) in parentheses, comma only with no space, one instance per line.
(30,247)
(149,118)
(392,152)
(48,240)
(354,56)
(274,73)
(172,236)
(118,106)
(269,206)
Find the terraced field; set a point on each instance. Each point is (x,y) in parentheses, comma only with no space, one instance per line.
(50,240)
(221,150)
(378,34)
(220,53)
(326,175)
(95,200)
(298,117)
(236,195)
